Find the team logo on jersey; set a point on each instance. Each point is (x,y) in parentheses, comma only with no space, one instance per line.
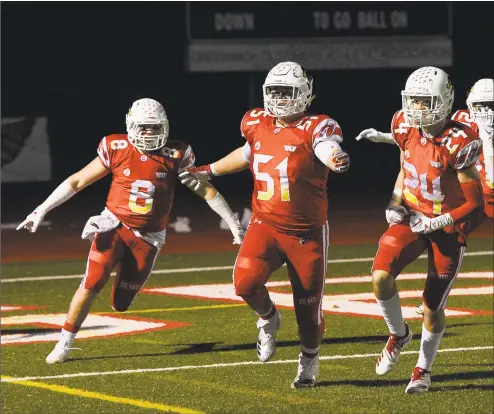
(161,175)
(436,164)
(277,130)
(290,148)
(423,141)
(126,172)
(257,145)
(407,154)
(144,157)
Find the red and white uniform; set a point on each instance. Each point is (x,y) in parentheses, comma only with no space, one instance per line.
(142,189)
(431,187)
(289,179)
(463,116)
(141,195)
(289,219)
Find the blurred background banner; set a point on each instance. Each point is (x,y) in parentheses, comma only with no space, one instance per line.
(25,150)
(241,36)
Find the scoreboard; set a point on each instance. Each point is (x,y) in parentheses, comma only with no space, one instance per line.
(258,20)
(247,36)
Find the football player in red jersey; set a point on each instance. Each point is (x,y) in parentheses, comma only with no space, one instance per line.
(436,202)
(131,230)
(289,153)
(480,118)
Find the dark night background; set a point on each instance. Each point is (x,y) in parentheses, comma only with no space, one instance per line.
(83,64)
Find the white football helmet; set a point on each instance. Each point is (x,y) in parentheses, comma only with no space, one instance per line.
(287,90)
(144,114)
(431,87)
(480,102)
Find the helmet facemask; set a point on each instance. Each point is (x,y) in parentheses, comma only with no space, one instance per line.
(140,136)
(423,110)
(480,102)
(287,90)
(482,112)
(147,125)
(285,100)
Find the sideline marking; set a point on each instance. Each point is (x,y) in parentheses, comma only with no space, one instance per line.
(105,397)
(210,268)
(225,365)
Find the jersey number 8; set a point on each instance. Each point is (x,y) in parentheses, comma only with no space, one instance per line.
(145,197)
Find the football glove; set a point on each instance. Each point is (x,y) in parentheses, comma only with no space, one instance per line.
(195,177)
(421,224)
(395,214)
(98,224)
(238,233)
(374,135)
(32,221)
(341,161)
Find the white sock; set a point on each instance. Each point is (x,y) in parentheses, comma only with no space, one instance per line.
(67,337)
(429,344)
(391,311)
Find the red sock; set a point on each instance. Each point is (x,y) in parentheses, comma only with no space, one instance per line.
(71,328)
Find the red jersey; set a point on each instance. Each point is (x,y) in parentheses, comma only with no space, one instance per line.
(142,187)
(289,180)
(431,184)
(463,116)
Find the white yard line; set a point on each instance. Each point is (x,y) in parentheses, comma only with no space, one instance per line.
(225,365)
(210,268)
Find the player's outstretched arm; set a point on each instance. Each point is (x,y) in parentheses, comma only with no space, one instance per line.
(75,183)
(374,135)
(219,205)
(234,162)
(331,155)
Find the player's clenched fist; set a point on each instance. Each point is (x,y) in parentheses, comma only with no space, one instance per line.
(341,161)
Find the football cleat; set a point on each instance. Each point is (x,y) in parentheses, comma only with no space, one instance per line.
(308,370)
(420,382)
(266,340)
(391,352)
(60,353)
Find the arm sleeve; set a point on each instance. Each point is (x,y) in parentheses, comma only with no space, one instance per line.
(246,152)
(324,149)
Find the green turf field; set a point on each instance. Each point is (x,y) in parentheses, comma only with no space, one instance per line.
(197,354)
